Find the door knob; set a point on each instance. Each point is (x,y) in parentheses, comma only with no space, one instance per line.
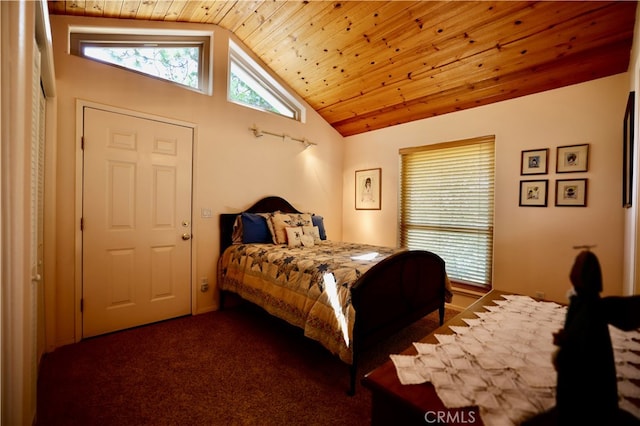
(186,236)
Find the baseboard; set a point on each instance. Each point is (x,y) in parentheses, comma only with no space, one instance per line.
(205,310)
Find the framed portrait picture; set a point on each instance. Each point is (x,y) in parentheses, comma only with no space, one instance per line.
(533,193)
(571,192)
(573,158)
(368,189)
(534,162)
(627,151)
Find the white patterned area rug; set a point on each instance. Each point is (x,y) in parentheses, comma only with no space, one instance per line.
(501,362)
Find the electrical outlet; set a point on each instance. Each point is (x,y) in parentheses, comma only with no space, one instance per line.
(204,285)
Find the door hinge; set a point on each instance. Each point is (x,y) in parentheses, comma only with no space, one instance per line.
(82,223)
(81,305)
(82,142)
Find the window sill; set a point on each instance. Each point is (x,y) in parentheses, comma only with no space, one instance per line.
(469,290)
(467,294)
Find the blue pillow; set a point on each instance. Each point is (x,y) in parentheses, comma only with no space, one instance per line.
(255,229)
(319,222)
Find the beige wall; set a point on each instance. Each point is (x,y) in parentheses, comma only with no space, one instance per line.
(532,246)
(232,168)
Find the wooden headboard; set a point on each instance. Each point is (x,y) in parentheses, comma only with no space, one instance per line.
(265,205)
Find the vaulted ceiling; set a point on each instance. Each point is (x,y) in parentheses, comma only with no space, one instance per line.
(366,65)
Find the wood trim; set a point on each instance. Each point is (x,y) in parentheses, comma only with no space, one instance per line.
(450,144)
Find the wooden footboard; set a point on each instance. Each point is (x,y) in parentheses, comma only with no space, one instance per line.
(392,295)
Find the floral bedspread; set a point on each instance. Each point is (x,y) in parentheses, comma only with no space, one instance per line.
(308,287)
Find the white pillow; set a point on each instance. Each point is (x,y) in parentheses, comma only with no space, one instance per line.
(312,231)
(294,236)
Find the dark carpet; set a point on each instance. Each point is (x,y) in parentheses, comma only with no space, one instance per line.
(238,366)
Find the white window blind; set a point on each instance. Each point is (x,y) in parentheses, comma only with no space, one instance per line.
(446,205)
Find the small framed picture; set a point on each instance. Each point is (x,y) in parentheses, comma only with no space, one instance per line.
(368,189)
(571,192)
(533,193)
(534,162)
(574,158)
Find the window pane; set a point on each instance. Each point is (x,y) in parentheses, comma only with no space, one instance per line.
(177,64)
(446,205)
(183,59)
(251,85)
(245,89)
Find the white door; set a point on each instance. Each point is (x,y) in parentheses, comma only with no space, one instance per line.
(136,266)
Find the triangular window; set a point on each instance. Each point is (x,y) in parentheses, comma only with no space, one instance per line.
(250,85)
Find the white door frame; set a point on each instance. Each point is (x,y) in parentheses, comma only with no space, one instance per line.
(80,105)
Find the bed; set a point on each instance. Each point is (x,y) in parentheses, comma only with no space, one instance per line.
(345,296)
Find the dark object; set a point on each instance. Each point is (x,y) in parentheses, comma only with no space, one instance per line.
(587,387)
(390,296)
(587,391)
(627,151)
(622,312)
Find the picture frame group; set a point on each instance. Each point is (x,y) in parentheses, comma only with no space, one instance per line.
(568,192)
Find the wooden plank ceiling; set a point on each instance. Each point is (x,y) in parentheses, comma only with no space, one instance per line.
(366,65)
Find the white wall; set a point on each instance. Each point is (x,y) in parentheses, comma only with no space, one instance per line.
(232,168)
(532,246)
